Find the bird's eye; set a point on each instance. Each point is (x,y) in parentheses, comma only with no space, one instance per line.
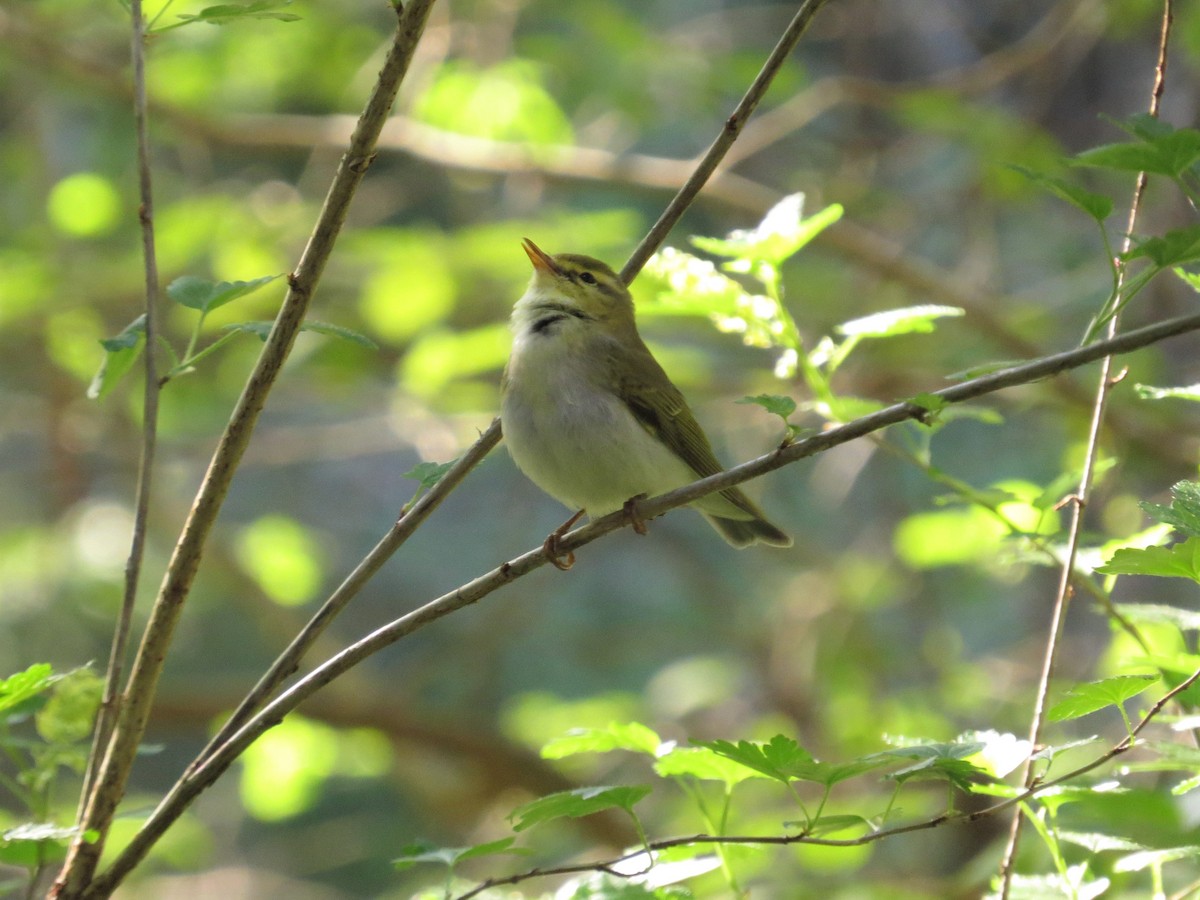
(587,277)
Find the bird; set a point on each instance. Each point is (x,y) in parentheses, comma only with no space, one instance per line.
(590,416)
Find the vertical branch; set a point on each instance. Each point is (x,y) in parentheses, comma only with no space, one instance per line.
(1079,501)
(109,707)
(181,570)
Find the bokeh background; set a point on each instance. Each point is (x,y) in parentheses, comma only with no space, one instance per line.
(896,613)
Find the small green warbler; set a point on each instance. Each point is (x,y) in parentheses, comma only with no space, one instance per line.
(589,414)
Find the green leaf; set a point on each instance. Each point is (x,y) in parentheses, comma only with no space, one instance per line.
(429,473)
(120,353)
(1175,248)
(780,758)
(68,715)
(1098,206)
(35,843)
(891,322)
(1087,698)
(776,404)
(338,331)
(225,13)
(1184,512)
(262,330)
(929,402)
(1146,859)
(1150,392)
(415,854)
(205,296)
(1170,153)
(704,764)
(939,761)
(577,803)
(1159,614)
(22,686)
(632,736)
(1178,561)
(781,233)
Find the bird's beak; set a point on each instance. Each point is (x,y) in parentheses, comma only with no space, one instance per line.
(542,261)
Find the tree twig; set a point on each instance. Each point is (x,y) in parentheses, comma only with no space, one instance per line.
(202,776)
(181,570)
(716,152)
(1065,589)
(109,707)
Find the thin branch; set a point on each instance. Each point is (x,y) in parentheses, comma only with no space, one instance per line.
(109,707)
(1065,589)
(610,866)
(408,522)
(139,694)
(733,127)
(204,775)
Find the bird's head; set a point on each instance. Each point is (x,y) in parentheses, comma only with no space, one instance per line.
(569,288)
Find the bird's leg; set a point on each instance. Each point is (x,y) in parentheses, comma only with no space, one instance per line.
(630,509)
(550,546)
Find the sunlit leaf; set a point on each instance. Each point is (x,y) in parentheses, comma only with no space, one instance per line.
(1146,859)
(1177,247)
(120,353)
(704,764)
(776,404)
(225,13)
(1087,698)
(16,689)
(1150,392)
(782,232)
(1177,561)
(1160,613)
(69,713)
(577,803)
(632,736)
(891,322)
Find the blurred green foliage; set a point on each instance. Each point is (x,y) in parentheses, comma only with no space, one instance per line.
(915,601)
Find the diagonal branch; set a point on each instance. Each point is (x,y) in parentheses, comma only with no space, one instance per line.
(205,774)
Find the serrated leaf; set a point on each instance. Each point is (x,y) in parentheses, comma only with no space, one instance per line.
(928,402)
(1092,696)
(1150,392)
(1184,512)
(1177,247)
(782,759)
(68,715)
(22,686)
(429,473)
(632,736)
(1178,561)
(1098,206)
(891,322)
(204,296)
(415,854)
(776,404)
(947,761)
(120,353)
(1169,154)
(576,803)
(704,764)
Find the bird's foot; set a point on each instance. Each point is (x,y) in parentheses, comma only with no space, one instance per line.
(635,519)
(558,559)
